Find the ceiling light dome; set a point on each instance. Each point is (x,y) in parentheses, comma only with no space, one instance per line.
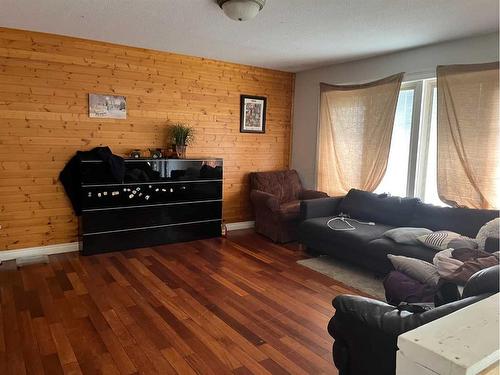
(241,10)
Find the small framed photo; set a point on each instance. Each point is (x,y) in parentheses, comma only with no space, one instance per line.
(253,114)
(107,106)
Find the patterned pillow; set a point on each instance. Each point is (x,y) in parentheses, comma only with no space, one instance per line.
(438,240)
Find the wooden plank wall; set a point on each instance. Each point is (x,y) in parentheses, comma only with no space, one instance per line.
(44,85)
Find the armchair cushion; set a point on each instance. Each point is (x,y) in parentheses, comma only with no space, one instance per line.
(285,185)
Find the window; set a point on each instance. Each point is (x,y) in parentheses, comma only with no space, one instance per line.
(395,180)
(426,173)
(412,165)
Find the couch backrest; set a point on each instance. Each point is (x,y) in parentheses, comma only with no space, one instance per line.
(379,208)
(285,185)
(466,221)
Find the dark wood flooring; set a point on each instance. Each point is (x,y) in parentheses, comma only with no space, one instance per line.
(239,305)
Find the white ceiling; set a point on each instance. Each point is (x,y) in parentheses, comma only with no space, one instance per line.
(290,35)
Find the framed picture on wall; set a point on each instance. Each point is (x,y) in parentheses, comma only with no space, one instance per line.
(107,106)
(252,114)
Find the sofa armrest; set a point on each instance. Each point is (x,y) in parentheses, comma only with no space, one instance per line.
(397,322)
(312,194)
(366,311)
(483,281)
(319,207)
(261,199)
(360,345)
(388,320)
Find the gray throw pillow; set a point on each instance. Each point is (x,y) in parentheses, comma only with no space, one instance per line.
(463,242)
(406,235)
(417,269)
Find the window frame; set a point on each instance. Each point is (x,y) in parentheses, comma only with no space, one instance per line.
(420,133)
(416,86)
(429,86)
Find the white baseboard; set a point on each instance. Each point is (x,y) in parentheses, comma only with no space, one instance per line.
(73,246)
(240,225)
(38,250)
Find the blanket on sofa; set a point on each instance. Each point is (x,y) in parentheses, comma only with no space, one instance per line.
(458,265)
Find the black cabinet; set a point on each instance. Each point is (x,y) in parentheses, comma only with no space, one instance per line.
(159,201)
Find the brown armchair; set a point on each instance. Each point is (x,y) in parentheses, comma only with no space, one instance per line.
(275,198)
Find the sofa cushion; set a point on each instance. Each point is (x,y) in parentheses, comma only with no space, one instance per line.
(465,221)
(379,248)
(318,229)
(379,208)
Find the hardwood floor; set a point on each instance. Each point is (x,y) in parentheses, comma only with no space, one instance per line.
(239,305)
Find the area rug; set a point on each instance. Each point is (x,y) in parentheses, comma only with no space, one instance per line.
(348,274)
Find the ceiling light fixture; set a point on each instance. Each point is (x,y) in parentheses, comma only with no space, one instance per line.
(241,10)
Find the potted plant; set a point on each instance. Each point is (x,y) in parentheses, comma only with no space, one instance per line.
(181,136)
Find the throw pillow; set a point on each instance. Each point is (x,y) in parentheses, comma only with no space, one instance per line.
(490,229)
(463,242)
(406,235)
(438,240)
(445,263)
(417,269)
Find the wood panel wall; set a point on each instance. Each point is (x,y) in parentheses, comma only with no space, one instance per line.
(44,85)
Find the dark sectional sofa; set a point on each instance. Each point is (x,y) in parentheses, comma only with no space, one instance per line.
(366,245)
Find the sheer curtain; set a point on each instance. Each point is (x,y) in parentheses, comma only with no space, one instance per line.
(354,138)
(468,162)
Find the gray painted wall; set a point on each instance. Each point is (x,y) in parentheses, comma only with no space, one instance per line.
(417,63)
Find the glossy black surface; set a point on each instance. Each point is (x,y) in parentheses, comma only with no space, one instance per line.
(125,195)
(157,203)
(93,244)
(126,218)
(154,170)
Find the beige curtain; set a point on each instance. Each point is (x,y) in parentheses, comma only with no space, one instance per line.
(354,138)
(468,168)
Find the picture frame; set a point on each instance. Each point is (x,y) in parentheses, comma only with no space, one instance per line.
(253,114)
(107,106)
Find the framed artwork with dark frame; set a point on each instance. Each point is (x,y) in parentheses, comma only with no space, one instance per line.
(253,114)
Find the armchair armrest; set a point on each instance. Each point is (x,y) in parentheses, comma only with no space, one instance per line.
(312,194)
(483,281)
(261,199)
(319,207)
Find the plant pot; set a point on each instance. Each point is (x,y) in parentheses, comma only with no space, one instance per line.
(180,151)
